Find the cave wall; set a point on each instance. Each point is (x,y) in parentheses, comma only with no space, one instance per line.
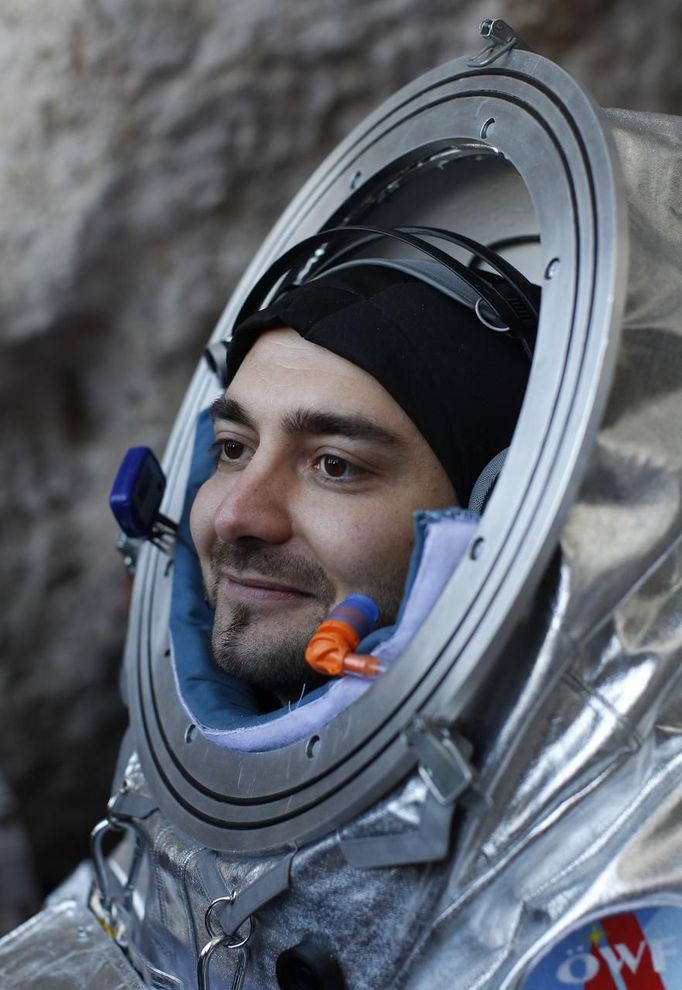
(147,146)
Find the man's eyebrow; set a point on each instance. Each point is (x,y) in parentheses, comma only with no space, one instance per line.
(232,411)
(354,427)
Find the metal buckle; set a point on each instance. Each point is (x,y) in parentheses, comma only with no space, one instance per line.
(443,758)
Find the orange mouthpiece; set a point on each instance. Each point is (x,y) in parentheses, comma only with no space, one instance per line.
(330,650)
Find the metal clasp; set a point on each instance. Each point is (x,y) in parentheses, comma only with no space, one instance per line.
(443,759)
(221,939)
(113,895)
(502,39)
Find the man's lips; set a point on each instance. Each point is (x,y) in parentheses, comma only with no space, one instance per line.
(256,589)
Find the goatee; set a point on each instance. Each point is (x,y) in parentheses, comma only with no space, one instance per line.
(272,659)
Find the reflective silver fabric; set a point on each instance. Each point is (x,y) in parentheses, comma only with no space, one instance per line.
(64,948)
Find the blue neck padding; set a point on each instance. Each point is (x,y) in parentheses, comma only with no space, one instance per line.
(225,709)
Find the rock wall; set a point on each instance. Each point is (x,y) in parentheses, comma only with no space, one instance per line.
(147,146)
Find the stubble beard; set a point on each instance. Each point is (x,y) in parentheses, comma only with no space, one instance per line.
(270,653)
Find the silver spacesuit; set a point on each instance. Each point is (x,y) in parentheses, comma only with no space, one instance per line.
(504,812)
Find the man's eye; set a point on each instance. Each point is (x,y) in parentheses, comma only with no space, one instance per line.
(334,467)
(337,468)
(228,451)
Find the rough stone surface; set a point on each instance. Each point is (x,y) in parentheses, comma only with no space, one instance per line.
(625,52)
(147,146)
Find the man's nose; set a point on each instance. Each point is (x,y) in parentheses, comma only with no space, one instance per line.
(257,504)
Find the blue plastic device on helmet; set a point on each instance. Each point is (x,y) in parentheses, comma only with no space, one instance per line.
(136,495)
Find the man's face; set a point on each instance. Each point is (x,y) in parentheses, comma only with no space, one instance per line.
(318,471)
